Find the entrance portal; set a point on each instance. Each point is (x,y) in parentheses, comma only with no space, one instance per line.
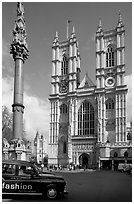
(84,160)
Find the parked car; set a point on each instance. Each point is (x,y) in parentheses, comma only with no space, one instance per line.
(125,167)
(121,167)
(25,178)
(128,168)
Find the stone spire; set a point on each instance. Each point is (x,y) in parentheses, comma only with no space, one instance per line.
(99,29)
(56,40)
(56,34)
(99,22)
(73,33)
(37,133)
(120,24)
(120,17)
(73,30)
(19,47)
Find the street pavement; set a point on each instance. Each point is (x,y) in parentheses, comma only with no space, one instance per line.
(94,186)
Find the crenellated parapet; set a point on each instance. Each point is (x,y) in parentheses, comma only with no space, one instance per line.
(19,47)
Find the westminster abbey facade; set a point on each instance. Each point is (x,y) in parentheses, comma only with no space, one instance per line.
(88,121)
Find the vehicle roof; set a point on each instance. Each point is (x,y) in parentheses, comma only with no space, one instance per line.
(16,162)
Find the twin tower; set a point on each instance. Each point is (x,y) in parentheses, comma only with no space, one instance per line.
(88,121)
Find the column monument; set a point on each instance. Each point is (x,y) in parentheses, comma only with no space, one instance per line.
(19,51)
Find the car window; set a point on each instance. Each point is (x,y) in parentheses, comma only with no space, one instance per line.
(25,170)
(39,171)
(8,169)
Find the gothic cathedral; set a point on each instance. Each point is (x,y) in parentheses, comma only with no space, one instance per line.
(88,121)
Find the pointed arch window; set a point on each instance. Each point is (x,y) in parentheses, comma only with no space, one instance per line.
(64,147)
(86,119)
(110,108)
(63,109)
(110,57)
(110,104)
(63,113)
(64,65)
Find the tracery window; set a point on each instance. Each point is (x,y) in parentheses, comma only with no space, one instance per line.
(109,104)
(110,57)
(86,119)
(110,108)
(64,66)
(64,147)
(63,109)
(63,113)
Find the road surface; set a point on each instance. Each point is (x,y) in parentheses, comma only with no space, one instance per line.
(93,186)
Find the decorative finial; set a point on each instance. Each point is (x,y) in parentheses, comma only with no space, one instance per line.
(99,29)
(68,22)
(120,17)
(20,9)
(120,24)
(55,38)
(56,34)
(73,30)
(99,22)
(19,47)
(73,33)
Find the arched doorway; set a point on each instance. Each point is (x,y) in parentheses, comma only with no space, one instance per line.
(84,160)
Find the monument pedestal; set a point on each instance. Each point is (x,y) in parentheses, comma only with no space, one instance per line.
(17,150)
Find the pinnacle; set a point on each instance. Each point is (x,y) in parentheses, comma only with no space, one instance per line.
(120,24)
(56,34)
(99,22)
(99,26)
(120,17)
(73,30)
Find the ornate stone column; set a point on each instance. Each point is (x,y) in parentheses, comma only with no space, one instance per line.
(19,51)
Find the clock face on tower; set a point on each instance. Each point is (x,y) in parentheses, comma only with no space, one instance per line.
(63,88)
(110,81)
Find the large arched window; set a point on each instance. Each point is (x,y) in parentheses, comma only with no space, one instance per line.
(110,57)
(86,119)
(63,113)
(64,147)
(63,109)
(110,108)
(64,65)
(109,104)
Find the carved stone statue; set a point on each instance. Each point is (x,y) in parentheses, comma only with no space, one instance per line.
(20,9)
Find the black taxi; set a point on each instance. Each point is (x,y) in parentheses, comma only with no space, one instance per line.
(25,178)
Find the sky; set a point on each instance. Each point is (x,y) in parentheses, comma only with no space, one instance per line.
(42,20)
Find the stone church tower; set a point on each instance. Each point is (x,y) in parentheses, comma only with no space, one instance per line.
(111,93)
(88,121)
